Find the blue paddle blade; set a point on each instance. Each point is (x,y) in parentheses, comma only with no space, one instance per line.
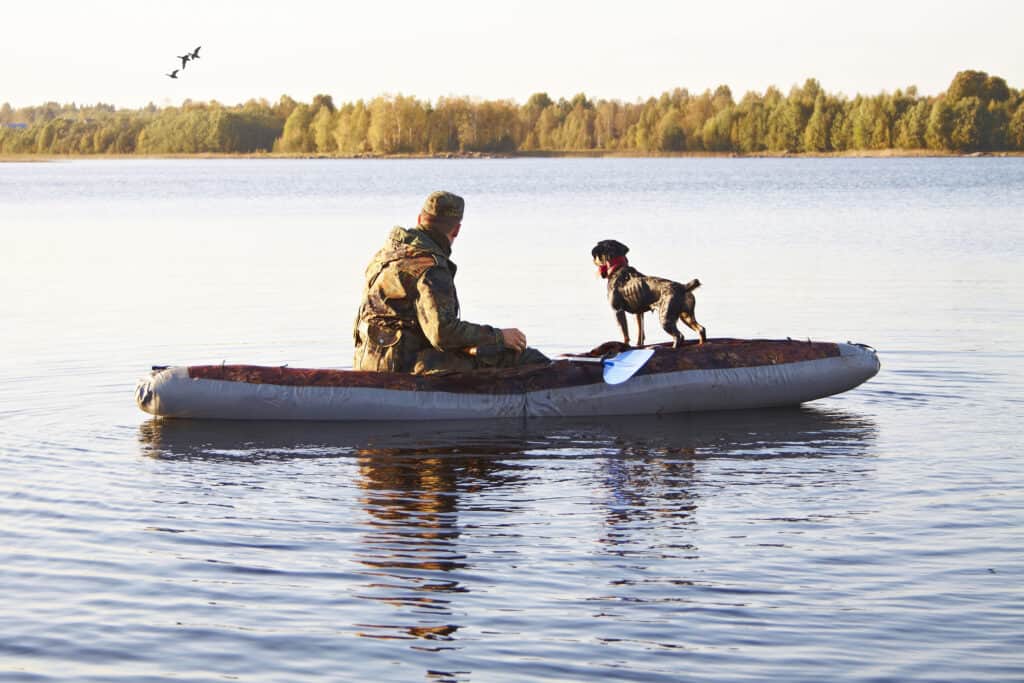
(618,369)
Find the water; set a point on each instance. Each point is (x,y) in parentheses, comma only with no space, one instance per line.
(872,536)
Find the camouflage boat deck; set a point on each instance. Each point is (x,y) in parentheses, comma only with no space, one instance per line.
(715,354)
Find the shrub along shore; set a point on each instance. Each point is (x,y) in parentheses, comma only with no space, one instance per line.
(977,114)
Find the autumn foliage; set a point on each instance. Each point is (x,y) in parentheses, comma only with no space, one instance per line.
(977,113)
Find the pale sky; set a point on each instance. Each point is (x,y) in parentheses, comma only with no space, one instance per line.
(117,51)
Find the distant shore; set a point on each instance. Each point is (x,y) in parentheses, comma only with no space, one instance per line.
(585,154)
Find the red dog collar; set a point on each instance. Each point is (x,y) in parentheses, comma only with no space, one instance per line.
(608,269)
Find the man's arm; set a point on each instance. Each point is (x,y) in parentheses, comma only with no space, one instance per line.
(437,311)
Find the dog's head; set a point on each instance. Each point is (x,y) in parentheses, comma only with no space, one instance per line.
(607,254)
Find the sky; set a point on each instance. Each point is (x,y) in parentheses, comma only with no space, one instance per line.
(118,51)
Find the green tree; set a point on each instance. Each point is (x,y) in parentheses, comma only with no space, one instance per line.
(284,108)
(784,129)
(696,112)
(351,128)
(609,125)
(969,119)
(322,102)
(1015,129)
(841,132)
(966,84)
(545,130)
(322,127)
(384,134)
(752,124)
(913,126)
(940,126)
(995,89)
(669,134)
(296,136)
(578,127)
(816,135)
(530,115)
(717,135)
(996,135)
(722,99)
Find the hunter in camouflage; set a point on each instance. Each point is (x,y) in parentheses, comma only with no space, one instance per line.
(409,317)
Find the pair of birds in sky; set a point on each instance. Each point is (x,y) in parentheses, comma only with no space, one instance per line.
(185,59)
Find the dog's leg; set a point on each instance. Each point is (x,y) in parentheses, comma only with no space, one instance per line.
(692,323)
(640,329)
(687,316)
(668,316)
(620,317)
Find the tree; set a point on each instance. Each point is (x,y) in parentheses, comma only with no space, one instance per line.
(351,128)
(722,99)
(940,126)
(912,126)
(841,132)
(444,123)
(995,89)
(322,127)
(322,101)
(783,133)
(1015,129)
(751,124)
(816,135)
(966,84)
(547,124)
(696,112)
(296,136)
(284,108)
(996,133)
(578,127)
(669,134)
(608,127)
(384,133)
(969,129)
(717,134)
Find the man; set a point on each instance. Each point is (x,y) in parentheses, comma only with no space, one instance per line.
(409,318)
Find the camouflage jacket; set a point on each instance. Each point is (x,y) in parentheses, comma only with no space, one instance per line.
(409,317)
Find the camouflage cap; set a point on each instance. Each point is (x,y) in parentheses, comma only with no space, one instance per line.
(445,206)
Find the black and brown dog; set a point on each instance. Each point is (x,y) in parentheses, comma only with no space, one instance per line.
(630,291)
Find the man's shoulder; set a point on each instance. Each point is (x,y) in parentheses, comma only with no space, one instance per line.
(413,242)
(410,254)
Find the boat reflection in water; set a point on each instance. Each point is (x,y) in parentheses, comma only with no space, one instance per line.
(415,479)
(771,433)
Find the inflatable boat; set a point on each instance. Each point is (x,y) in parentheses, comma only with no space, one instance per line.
(722,374)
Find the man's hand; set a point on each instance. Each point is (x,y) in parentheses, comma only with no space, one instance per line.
(514,339)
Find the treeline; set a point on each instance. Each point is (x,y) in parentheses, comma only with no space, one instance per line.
(977,113)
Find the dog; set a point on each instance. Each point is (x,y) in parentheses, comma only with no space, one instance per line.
(630,291)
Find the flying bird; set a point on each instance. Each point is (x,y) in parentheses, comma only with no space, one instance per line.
(195,53)
(184,59)
(173,74)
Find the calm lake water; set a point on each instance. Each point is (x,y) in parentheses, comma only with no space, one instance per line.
(873,536)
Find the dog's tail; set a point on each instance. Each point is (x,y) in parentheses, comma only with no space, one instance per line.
(692,284)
